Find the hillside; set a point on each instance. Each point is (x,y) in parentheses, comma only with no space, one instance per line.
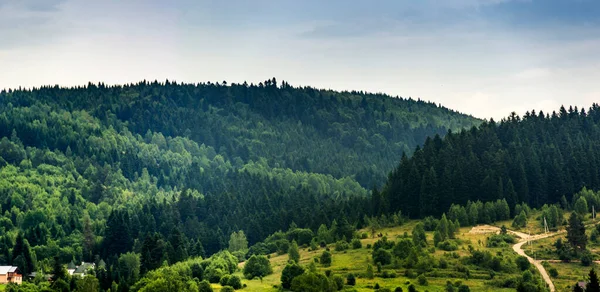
(537,159)
(91,173)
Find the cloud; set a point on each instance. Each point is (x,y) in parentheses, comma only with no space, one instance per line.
(534,73)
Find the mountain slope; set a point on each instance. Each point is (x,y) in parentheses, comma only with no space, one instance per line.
(100,171)
(337,133)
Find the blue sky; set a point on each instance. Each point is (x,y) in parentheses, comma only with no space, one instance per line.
(482,57)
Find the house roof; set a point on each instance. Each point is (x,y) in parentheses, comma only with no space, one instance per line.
(83,268)
(7,269)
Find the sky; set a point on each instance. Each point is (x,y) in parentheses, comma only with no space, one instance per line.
(486,58)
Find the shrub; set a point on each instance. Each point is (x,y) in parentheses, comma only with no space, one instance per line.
(227,289)
(356,244)
(388,274)
(350,279)
(422,280)
(553,272)
(204,286)
(398,289)
(235,282)
(364,235)
(523,263)
(224,280)
(586,259)
(411,288)
(382,256)
(290,272)
(339,282)
(325,259)
(341,245)
(312,282)
(376,286)
(257,267)
(443,264)
(447,245)
(464,288)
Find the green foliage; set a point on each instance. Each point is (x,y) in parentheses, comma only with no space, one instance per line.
(576,232)
(238,241)
(293,253)
(520,220)
(235,282)
(350,279)
(523,263)
(204,286)
(422,280)
(553,272)
(309,282)
(325,259)
(341,245)
(418,235)
(581,206)
(288,274)
(494,162)
(382,256)
(370,273)
(227,289)
(129,268)
(257,267)
(356,244)
(593,284)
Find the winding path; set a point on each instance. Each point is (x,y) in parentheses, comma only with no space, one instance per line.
(519,250)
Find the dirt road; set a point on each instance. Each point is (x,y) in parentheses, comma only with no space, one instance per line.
(537,264)
(523,239)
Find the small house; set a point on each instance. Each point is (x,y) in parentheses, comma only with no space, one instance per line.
(10,274)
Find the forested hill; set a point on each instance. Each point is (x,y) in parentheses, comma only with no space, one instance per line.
(93,172)
(536,159)
(339,133)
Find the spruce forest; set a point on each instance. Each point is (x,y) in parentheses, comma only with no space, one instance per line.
(166,186)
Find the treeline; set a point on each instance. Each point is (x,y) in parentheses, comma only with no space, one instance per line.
(537,159)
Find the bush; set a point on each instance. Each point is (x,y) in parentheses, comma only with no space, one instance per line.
(388,274)
(464,288)
(350,279)
(411,288)
(326,259)
(312,282)
(364,235)
(447,246)
(553,272)
(197,271)
(398,289)
(586,259)
(422,280)
(382,256)
(204,286)
(498,240)
(339,282)
(341,245)
(356,244)
(290,272)
(376,286)
(523,263)
(257,267)
(235,282)
(227,289)
(224,280)
(443,264)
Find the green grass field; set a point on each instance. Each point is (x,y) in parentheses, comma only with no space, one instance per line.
(356,260)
